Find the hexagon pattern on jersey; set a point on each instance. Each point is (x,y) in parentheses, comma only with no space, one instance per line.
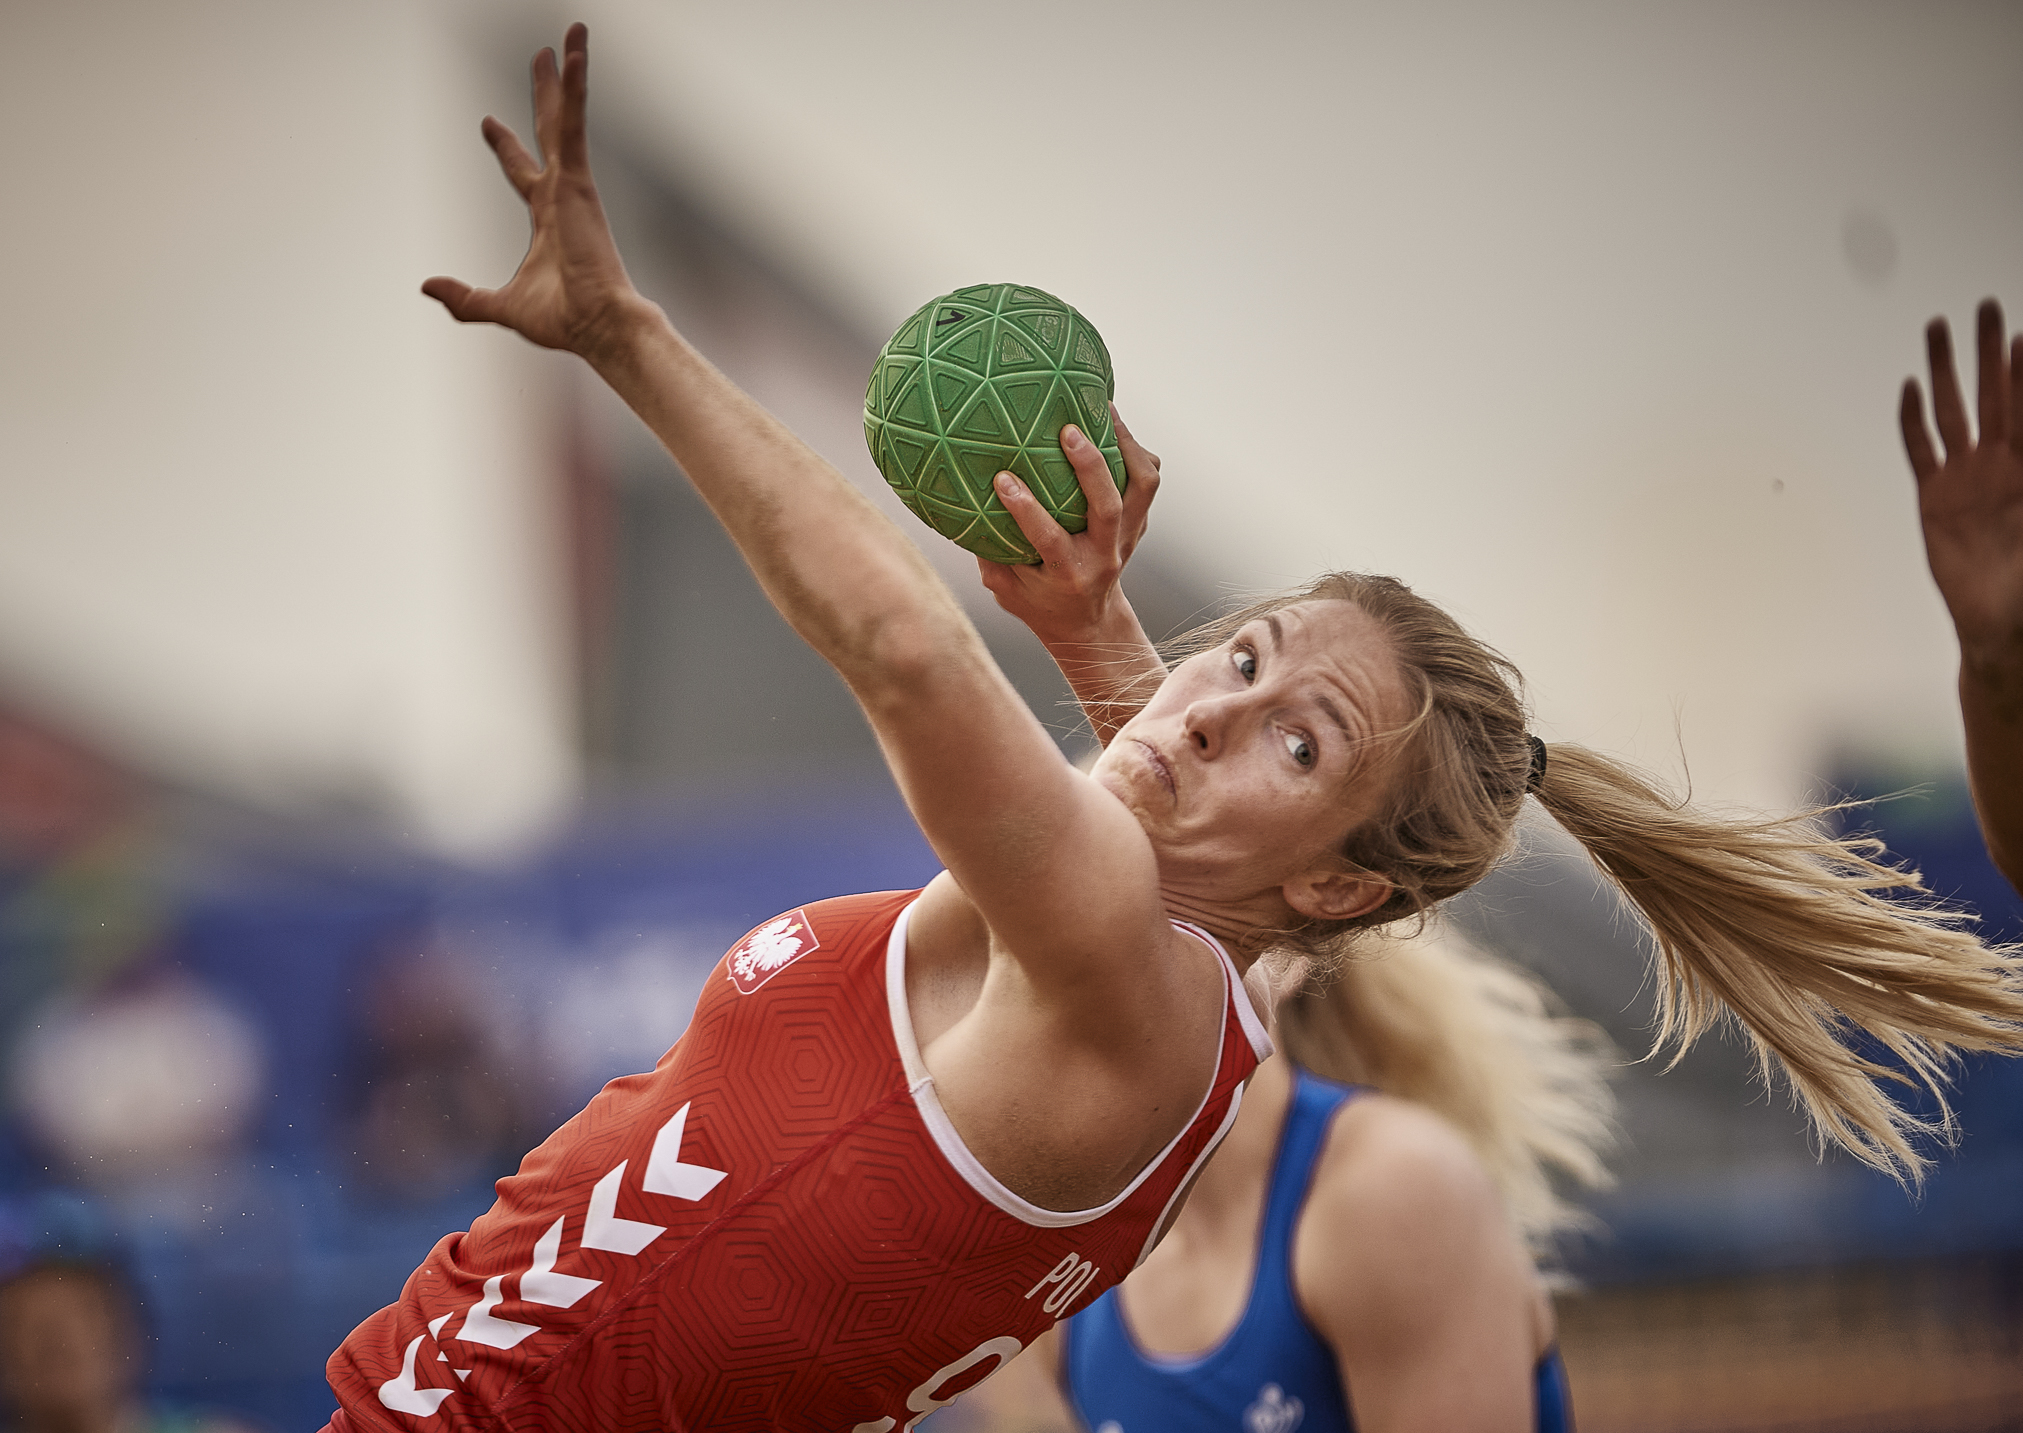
(760,1235)
(980,381)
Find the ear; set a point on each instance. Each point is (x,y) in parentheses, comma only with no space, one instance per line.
(1334,895)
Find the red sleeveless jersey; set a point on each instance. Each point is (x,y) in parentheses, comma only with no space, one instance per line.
(775,1228)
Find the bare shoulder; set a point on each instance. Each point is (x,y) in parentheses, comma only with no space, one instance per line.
(1403,1228)
(1391,1160)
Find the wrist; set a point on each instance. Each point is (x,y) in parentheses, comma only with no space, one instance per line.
(629,325)
(1110,624)
(1077,643)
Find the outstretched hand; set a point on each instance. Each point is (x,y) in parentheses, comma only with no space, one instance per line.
(571,286)
(1069,594)
(1971,504)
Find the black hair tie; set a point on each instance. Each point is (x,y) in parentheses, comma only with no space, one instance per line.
(1537,777)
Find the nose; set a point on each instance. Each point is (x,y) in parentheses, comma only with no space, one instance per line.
(1206,725)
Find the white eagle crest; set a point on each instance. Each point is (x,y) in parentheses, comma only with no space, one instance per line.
(1273,1412)
(766,949)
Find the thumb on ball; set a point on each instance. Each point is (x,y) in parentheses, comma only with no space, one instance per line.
(1049,539)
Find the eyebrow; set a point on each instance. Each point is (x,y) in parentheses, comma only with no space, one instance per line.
(1271,621)
(1326,704)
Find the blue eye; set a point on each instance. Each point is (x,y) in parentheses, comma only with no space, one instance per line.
(1245,663)
(1302,750)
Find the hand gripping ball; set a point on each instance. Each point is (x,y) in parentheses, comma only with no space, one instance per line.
(980,381)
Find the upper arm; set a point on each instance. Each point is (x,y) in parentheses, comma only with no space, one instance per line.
(1407,1265)
(1058,867)
(1062,874)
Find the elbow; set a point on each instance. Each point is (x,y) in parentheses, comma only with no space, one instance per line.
(899,660)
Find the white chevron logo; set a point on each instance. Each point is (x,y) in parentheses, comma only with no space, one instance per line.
(483,1326)
(603,1229)
(435,1327)
(542,1285)
(401,1395)
(666,1174)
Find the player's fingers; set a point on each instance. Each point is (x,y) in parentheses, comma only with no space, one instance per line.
(1993,382)
(1141,466)
(1049,539)
(1917,439)
(1092,475)
(466,304)
(520,166)
(547,105)
(570,129)
(1947,409)
(452,294)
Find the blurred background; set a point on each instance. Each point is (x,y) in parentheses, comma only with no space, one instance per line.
(389,744)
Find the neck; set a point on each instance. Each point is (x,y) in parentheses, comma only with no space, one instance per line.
(1237,926)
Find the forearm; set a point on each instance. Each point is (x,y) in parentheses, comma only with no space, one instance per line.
(840,573)
(1991,708)
(1111,666)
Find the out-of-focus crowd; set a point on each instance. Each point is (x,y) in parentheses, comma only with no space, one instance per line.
(254,1068)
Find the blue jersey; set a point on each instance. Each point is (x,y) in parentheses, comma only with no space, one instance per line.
(1273,1373)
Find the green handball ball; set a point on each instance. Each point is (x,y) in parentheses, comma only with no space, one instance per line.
(980,381)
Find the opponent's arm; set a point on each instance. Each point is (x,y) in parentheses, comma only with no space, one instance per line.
(1971,507)
(989,789)
(1071,598)
(1407,1266)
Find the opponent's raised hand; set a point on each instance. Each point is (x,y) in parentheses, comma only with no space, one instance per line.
(571,286)
(1068,596)
(1971,503)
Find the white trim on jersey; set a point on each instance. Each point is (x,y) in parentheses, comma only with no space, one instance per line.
(921,1085)
(1158,1228)
(1246,1013)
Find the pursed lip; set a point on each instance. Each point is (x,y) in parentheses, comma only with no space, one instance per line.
(1159,765)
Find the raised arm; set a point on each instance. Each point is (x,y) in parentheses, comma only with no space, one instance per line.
(1971,505)
(989,789)
(1071,599)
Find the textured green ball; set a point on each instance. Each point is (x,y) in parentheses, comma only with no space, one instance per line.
(982,381)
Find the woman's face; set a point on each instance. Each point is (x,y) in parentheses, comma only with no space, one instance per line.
(1254,761)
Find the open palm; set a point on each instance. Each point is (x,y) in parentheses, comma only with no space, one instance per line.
(571,285)
(1971,504)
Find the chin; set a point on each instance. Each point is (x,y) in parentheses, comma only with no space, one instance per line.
(1103,771)
(1127,791)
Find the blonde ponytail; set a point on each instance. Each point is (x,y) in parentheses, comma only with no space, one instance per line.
(1479,1042)
(1805,939)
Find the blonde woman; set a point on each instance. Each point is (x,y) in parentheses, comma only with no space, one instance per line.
(907,1131)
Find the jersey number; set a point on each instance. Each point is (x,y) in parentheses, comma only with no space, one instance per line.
(928,1397)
